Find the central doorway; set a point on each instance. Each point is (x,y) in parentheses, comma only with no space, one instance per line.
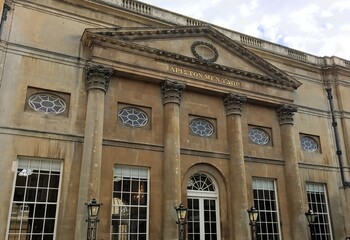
(203,208)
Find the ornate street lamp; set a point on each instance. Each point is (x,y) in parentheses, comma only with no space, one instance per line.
(253,218)
(93,209)
(181,213)
(311,218)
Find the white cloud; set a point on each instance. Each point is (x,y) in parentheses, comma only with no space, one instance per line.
(305,18)
(326,13)
(345,28)
(318,27)
(340,6)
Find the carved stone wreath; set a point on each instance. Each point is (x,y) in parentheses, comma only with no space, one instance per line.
(204,51)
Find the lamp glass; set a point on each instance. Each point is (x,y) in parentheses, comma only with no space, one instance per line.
(253,214)
(310,216)
(93,208)
(181,212)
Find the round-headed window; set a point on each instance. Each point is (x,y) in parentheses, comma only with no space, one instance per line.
(308,144)
(47,103)
(259,136)
(201,127)
(133,117)
(200,182)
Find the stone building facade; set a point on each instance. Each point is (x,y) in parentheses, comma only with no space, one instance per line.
(143,109)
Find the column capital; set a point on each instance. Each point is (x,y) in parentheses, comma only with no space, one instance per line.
(285,113)
(233,103)
(172,91)
(97,77)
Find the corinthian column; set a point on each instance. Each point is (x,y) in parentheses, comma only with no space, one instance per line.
(239,201)
(96,81)
(298,224)
(171,96)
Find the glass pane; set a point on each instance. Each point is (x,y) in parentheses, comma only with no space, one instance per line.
(38,226)
(41,197)
(126,185)
(43,180)
(19,194)
(135,186)
(21,181)
(48,237)
(142,213)
(39,210)
(53,193)
(51,211)
(33,180)
(54,181)
(49,226)
(142,226)
(30,195)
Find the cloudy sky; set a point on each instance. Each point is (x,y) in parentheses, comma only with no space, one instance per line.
(318,27)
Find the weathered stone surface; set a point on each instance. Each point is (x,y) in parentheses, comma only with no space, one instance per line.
(50,52)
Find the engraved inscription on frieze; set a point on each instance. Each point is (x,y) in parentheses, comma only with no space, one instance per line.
(204,76)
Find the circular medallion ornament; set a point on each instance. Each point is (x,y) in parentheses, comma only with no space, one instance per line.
(204,51)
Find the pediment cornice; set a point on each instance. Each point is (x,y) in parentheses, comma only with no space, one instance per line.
(130,38)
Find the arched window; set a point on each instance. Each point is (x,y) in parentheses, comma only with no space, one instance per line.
(203,208)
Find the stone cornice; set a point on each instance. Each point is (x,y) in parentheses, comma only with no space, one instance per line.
(123,38)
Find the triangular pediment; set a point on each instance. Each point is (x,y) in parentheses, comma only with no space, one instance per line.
(202,47)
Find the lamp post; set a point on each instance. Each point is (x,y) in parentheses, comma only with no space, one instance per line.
(311,217)
(93,209)
(253,218)
(181,213)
